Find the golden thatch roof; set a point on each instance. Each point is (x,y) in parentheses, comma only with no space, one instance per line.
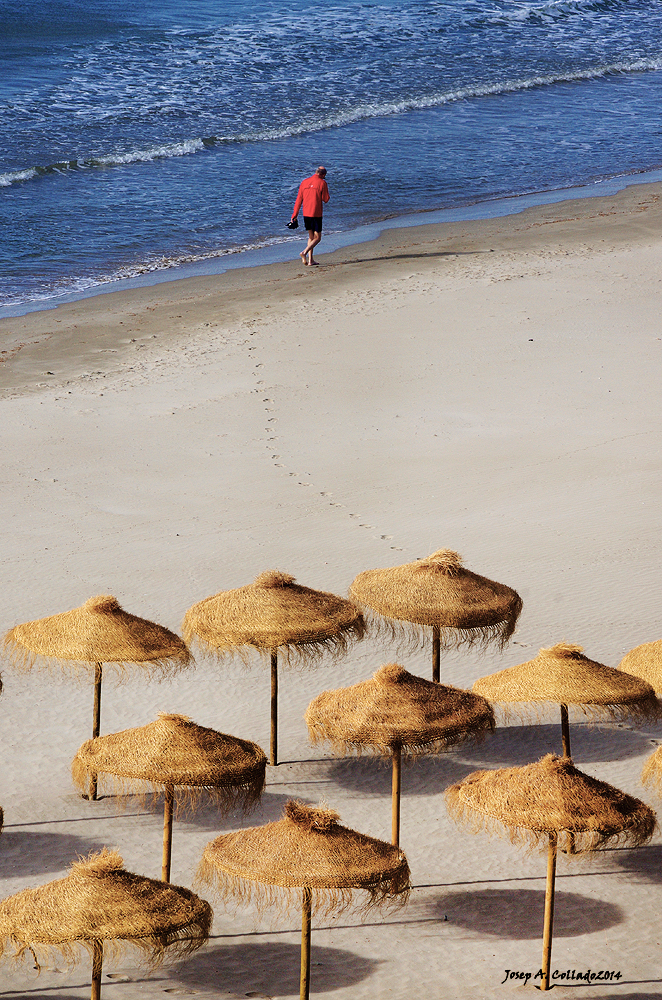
(306,848)
(563,675)
(274,612)
(173,750)
(99,631)
(100,901)
(652,772)
(645,661)
(397,709)
(550,796)
(439,591)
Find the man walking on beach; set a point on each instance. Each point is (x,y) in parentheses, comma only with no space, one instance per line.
(313,195)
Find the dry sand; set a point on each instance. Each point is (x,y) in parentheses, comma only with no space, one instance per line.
(491,387)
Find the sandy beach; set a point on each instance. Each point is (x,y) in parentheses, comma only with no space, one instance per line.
(490,387)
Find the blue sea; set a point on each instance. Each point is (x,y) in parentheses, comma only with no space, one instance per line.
(139,136)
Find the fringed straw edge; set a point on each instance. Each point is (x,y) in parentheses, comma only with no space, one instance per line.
(187,798)
(389,892)
(292,655)
(572,842)
(409,638)
(24,661)
(384,751)
(532,711)
(178,943)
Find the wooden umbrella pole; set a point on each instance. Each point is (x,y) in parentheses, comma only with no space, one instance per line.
(306,908)
(168,802)
(565,731)
(97,962)
(395,795)
(565,739)
(273,756)
(436,653)
(549,912)
(96,724)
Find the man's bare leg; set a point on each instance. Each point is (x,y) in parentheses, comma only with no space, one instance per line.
(313,240)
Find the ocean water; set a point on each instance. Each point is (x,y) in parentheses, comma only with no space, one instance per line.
(141,135)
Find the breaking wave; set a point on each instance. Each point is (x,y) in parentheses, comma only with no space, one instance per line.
(360,112)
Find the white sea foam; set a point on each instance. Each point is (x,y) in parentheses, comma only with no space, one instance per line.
(147,155)
(360,112)
(78,285)
(13,176)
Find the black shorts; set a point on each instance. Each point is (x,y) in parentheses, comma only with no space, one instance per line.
(313,223)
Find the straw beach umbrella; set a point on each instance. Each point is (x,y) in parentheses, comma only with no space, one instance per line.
(393,712)
(564,676)
(459,606)
(274,614)
(97,906)
(652,771)
(305,852)
(645,661)
(98,632)
(172,752)
(546,803)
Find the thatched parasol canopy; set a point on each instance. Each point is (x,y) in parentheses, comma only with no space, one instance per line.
(307,855)
(440,592)
(99,631)
(175,751)
(551,796)
(652,772)
(306,849)
(397,709)
(274,612)
(543,803)
(564,676)
(645,661)
(101,902)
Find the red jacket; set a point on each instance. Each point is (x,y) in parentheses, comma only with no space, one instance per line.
(312,192)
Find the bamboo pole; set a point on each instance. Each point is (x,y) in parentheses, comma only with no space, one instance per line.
(273,756)
(565,731)
(306,907)
(167,831)
(395,795)
(97,962)
(96,725)
(549,912)
(436,654)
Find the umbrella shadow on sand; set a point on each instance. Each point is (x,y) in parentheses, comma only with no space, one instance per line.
(632,996)
(518,913)
(272,967)
(516,745)
(24,853)
(644,864)
(420,776)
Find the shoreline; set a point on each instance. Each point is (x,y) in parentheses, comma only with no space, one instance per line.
(275,251)
(89,337)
